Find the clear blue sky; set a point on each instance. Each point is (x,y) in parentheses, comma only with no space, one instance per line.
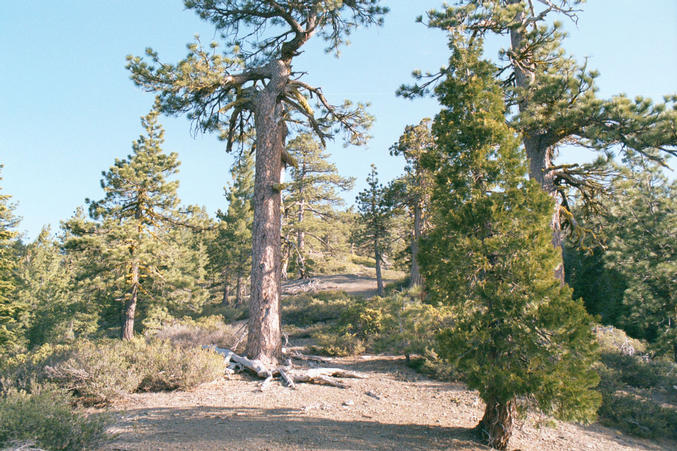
(68,108)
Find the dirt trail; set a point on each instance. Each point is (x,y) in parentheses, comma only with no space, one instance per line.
(394,409)
(356,285)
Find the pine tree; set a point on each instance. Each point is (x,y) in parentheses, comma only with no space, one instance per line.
(46,283)
(142,256)
(414,188)
(252,86)
(556,102)
(12,312)
(372,229)
(518,336)
(310,201)
(234,238)
(641,227)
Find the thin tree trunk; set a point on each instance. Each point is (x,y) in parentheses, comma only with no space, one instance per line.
(264,340)
(226,287)
(226,294)
(238,290)
(416,278)
(495,428)
(130,303)
(379,276)
(301,240)
(538,147)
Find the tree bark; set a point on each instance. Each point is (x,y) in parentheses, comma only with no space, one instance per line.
(538,147)
(301,239)
(379,276)
(238,288)
(226,293)
(264,340)
(495,428)
(226,287)
(416,279)
(130,303)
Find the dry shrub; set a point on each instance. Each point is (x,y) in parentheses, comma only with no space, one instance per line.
(99,372)
(45,419)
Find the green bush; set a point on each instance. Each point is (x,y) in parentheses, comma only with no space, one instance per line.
(637,372)
(46,419)
(98,372)
(338,345)
(399,323)
(638,394)
(307,309)
(634,415)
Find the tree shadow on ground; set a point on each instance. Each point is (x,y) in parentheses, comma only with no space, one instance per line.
(278,429)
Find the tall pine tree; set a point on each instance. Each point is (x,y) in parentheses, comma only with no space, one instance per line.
(557,108)
(518,336)
(414,188)
(310,201)
(252,86)
(142,253)
(374,215)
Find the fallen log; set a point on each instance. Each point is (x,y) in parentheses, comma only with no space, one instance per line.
(290,375)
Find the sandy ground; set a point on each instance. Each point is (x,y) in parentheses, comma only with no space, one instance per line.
(394,409)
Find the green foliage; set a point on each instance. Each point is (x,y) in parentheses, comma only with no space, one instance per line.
(231,251)
(133,250)
(13,313)
(399,323)
(557,107)
(638,395)
(46,419)
(306,309)
(314,229)
(99,372)
(641,225)
(517,334)
(45,282)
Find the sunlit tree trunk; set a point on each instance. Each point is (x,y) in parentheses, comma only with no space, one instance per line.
(416,278)
(130,303)
(264,339)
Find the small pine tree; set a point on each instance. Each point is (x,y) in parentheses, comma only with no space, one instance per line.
(373,223)
(518,335)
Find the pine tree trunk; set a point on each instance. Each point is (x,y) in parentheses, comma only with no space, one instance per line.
(379,276)
(238,290)
(226,294)
(301,240)
(495,428)
(130,304)
(416,278)
(226,287)
(538,147)
(264,340)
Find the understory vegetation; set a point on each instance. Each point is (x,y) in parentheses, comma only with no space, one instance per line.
(542,285)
